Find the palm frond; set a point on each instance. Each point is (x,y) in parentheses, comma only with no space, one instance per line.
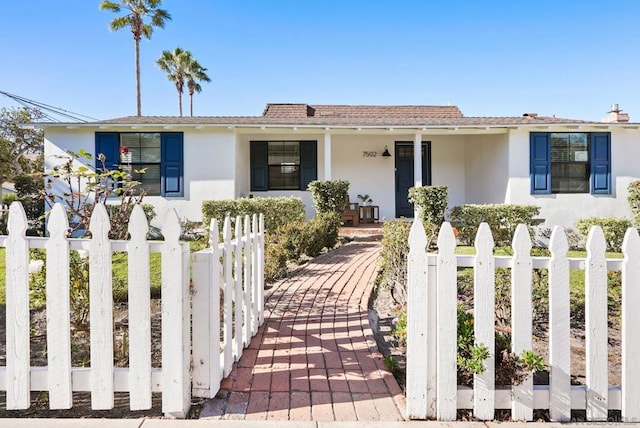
(109,5)
(120,22)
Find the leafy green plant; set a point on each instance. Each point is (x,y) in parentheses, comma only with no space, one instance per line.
(471,356)
(85,187)
(390,363)
(329,196)
(502,219)
(400,328)
(633,198)
(432,201)
(277,211)
(365,198)
(392,263)
(614,229)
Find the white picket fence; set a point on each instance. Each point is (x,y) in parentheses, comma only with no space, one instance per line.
(235,268)
(432,390)
(179,311)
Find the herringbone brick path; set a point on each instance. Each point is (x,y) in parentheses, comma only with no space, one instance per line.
(315,357)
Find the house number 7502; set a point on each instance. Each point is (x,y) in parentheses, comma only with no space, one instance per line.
(366,154)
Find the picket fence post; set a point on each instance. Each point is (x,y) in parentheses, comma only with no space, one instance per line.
(101,310)
(176,338)
(255,276)
(559,334)
(521,318)
(596,327)
(417,340)
(18,323)
(139,295)
(261,256)
(206,271)
(447,299)
(58,310)
(228,297)
(484,322)
(246,306)
(629,325)
(238,295)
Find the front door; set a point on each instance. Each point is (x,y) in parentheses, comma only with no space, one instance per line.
(404,174)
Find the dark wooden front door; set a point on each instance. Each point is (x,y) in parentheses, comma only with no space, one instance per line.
(404,174)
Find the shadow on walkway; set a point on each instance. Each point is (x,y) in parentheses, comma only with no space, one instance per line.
(315,358)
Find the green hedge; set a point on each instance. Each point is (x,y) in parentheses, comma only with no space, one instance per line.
(613,228)
(432,201)
(502,218)
(329,196)
(290,241)
(634,200)
(277,211)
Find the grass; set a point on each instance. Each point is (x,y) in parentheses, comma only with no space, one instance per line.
(120,267)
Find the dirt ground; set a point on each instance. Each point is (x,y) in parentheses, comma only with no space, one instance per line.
(383,309)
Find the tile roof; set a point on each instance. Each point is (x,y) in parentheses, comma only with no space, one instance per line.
(348,116)
(360,111)
(343,121)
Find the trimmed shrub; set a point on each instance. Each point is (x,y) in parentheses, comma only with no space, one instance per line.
(432,201)
(321,232)
(502,218)
(277,211)
(393,258)
(634,201)
(289,242)
(613,228)
(329,196)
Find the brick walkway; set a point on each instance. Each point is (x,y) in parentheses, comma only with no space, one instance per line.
(315,357)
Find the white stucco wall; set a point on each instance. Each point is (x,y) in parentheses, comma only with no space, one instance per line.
(476,168)
(486,169)
(367,175)
(567,209)
(447,165)
(243,172)
(209,165)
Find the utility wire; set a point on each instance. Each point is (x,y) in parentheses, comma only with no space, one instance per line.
(49,112)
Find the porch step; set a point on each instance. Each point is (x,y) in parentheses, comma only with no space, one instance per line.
(363,230)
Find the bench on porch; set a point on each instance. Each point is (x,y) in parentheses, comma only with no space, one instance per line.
(351,214)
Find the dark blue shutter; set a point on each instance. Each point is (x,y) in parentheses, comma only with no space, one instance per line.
(107,143)
(308,163)
(172,166)
(259,159)
(540,167)
(600,163)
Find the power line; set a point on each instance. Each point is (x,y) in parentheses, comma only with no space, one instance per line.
(49,112)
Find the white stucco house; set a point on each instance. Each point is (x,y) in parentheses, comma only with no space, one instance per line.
(571,168)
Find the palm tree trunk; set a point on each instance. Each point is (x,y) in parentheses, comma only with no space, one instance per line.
(139,103)
(180,102)
(191,104)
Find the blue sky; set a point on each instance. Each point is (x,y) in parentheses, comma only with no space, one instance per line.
(491,58)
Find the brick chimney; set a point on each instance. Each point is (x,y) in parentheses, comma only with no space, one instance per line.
(616,115)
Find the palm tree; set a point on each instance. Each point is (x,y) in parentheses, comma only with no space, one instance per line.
(138,10)
(195,73)
(176,65)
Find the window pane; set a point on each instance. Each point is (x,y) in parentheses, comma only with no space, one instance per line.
(560,148)
(284,177)
(570,178)
(150,179)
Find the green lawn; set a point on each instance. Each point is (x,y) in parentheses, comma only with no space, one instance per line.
(120,266)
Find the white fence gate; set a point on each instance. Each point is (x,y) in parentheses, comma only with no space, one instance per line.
(432,390)
(240,260)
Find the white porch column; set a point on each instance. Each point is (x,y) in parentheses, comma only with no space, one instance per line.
(417,167)
(327,156)
(417,160)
